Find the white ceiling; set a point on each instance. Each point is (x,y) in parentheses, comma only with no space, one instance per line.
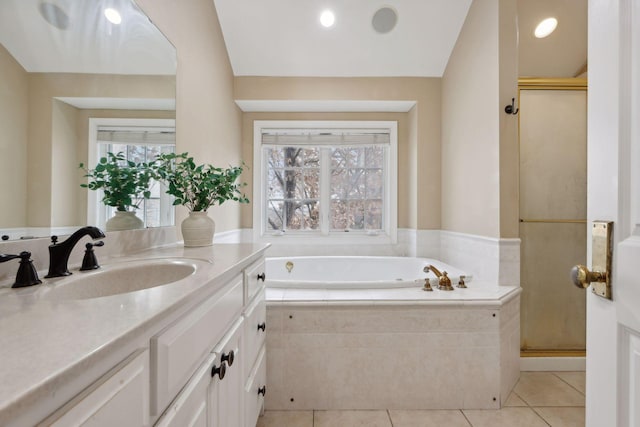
(90,44)
(285,38)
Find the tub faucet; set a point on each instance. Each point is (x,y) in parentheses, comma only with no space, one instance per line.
(444,283)
(59,252)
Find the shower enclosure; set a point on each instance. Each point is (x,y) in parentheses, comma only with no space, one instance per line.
(553,204)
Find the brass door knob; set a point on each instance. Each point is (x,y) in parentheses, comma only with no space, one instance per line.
(582,277)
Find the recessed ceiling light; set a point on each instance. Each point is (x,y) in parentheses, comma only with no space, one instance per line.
(113,15)
(545,27)
(327,18)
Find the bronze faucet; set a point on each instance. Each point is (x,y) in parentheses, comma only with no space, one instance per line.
(27,274)
(444,283)
(59,252)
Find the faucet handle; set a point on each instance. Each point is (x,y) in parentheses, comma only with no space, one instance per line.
(444,283)
(90,262)
(461,283)
(54,239)
(27,274)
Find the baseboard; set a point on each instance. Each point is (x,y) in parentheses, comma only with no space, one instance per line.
(533,363)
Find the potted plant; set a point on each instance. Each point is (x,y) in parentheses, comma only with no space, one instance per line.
(124,184)
(198,187)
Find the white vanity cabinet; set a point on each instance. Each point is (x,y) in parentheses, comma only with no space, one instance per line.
(178,350)
(119,398)
(216,395)
(213,396)
(176,357)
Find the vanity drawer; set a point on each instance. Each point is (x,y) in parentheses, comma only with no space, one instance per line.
(255,390)
(120,398)
(178,350)
(255,327)
(254,277)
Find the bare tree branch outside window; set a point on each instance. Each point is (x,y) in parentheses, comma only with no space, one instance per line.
(356,193)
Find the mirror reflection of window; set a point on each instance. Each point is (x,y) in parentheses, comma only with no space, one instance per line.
(138,144)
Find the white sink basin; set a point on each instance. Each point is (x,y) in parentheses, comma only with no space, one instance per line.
(121,278)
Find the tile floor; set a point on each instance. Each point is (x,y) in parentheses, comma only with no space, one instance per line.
(540,399)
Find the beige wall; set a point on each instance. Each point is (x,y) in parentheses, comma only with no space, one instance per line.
(14,92)
(64,184)
(475,133)
(419,142)
(208,122)
(508,54)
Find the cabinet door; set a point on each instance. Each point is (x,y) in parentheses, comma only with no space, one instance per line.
(189,409)
(178,350)
(226,394)
(255,327)
(256,390)
(254,278)
(120,398)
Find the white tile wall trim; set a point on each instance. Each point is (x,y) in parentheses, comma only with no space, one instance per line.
(556,364)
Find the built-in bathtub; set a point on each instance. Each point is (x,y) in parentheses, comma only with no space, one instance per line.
(360,333)
(354,272)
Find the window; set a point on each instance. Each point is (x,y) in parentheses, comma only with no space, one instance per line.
(140,140)
(325,179)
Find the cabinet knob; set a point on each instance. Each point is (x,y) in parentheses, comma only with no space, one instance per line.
(220,370)
(262,390)
(262,326)
(262,276)
(229,357)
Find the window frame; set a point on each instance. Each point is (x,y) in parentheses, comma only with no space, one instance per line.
(96,211)
(388,234)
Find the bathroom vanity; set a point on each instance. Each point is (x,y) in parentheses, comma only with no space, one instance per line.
(188,352)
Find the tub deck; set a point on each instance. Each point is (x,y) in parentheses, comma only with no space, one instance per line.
(477,293)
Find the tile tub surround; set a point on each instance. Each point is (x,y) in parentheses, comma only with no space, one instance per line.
(50,349)
(398,349)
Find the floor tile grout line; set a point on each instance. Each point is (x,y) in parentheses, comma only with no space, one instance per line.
(521,398)
(566,382)
(389,415)
(465,417)
(541,417)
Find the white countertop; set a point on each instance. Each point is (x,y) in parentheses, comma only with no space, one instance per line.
(44,343)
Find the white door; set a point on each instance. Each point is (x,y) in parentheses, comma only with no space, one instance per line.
(613,327)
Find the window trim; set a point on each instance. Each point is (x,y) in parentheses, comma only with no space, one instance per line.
(389,236)
(95,215)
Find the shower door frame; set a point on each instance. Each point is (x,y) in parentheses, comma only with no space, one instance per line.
(564,84)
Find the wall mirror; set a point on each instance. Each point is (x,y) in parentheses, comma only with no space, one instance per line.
(64,62)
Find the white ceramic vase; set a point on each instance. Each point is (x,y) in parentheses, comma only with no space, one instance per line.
(124,220)
(198,229)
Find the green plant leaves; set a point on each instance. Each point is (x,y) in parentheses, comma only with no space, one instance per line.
(195,186)
(198,186)
(122,181)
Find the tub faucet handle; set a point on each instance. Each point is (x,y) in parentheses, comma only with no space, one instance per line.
(444,283)
(461,283)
